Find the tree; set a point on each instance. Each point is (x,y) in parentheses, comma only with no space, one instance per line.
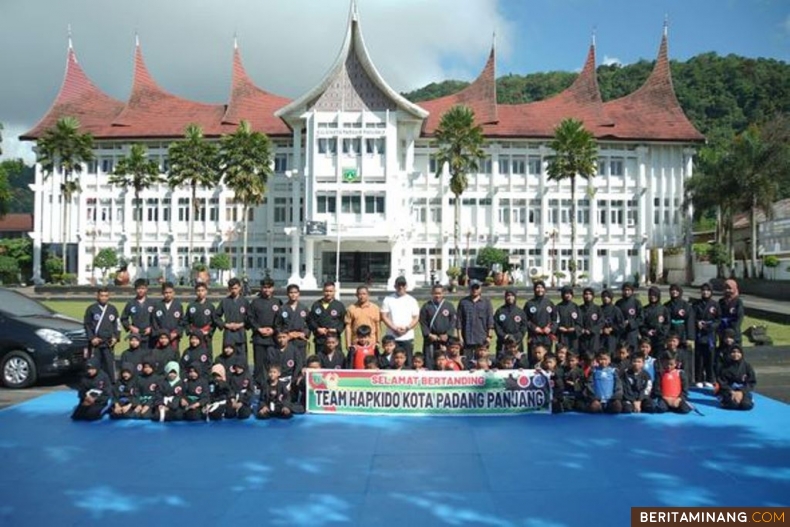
(460,143)
(9,270)
(245,158)
(489,256)
(5,193)
(19,176)
(105,260)
(137,172)
(575,153)
(193,163)
(220,262)
(64,149)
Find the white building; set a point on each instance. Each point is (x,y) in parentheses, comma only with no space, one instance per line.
(356,155)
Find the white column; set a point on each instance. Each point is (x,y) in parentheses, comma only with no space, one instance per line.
(38,224)
(293,232)
(309,281)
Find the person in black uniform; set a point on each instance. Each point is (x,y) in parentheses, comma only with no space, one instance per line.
(293,317)
(263,314)
(196,393)
(327,317)
(231,315)
(655,321)
(200,315)
(163,352)
(511,320)
(613,323)
(122,405)
(103,330)
(135,353)
(284,355)
(736,382)
(137,313)
(168,400)
(637,388)
(197,352)
(242,391)
(591,324)
(706,321)
(146,387)
(568,320)
(631,309)
(94,393)
(219,392)
(681,321)
(541,318)
(275,400)
(168,315)
(331,355)
(437,323)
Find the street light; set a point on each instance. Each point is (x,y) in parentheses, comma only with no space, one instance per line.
(553,236)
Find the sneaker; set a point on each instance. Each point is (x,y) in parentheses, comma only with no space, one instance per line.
(700,385)
(709,385)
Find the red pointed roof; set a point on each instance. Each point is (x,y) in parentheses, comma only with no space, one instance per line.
(78,97)
(153,112)
(653,111)
(252,104)
(480,96)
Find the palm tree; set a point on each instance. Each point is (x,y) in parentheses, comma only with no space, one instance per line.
(193,163)
(63,148)
(460,143)
(575,153)
(245,158)
(138,172)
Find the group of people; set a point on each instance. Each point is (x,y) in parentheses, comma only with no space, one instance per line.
(610,357)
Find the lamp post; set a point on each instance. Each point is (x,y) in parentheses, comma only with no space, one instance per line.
(553,236)
(293,231)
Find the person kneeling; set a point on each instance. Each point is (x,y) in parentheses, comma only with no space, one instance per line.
(637,387)
(168,401)
(605,393)
(736,382)
(275,398)
(123,394)
(94,393)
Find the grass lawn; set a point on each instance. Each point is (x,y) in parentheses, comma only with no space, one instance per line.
(778,332)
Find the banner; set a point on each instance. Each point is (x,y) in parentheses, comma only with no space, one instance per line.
(408,392)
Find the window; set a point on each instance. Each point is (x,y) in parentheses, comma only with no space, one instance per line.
(105,210)
(231,212)
(183,209)
(535,258)
(280,210)
(602,252)
(602,167)
(534,166)
(327,145)
(616,212)
(352,145)
(485,165)
(213,210)
(281,162)
(119,210)
(436,211)
(504,211)
(602,216)
(165,166)
(504,164)
(582,260)
(327,204)
(633,252)
(166,209)
(91,209)
(374,204)
(376,145)
(534,211)
(278,261)
(616,167)
(632,214)
(370,146)
(93,167)
(554,212)
(432,164)
(583,212)
(519,165)
(351,204)
(152,209)
(152,256)
(137,210)
(107,165)
(565,211)
(419,210)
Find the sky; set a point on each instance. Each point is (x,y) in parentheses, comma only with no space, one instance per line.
(288,45)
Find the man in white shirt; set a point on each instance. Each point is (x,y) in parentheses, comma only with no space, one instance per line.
(401,314)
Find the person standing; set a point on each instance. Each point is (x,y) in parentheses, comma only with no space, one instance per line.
(731,310)
(400,312)
(168,313)
(103,330)
(655,323)
(541,318)
(327,316)
(706,319)
(137,313)
(681,321)
(592,322)
(363,312)
(231,316)
(293,320)
(475,321)
(568,321)
(631,310)
(437,324)
(199,315)
(262,316)
(509,320)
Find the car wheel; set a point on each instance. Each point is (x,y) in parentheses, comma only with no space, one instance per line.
(18,370)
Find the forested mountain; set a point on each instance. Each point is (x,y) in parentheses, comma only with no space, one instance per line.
(721,95)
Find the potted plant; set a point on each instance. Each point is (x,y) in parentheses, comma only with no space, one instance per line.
(453,273)
(121,277)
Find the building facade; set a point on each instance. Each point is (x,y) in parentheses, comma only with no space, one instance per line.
(355,193)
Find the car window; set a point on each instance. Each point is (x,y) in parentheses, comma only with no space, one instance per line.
(18,305)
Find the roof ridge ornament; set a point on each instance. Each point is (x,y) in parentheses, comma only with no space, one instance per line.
(68,36)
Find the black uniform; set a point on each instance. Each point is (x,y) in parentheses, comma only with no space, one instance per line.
(263,313)
(219,394)
(161,356)
(195,392)
(201,316)
(102,322)
(573,386)
(336,361)
(438,320)
(134,357)
(331,316)
(509,320)
(592,322)
(288,360)
(233,311)
(170,397)
(123,393)
(731,313)
(706,317)
(242,391)
(98,388)
(275,399)
(540,313)
(294,319)
(198,355)
(655,323)
(611,328)
(681,321)
(168,318)
(631,309)
(140,315)
(737,376)
(146,388)
(568,317)
(637,387)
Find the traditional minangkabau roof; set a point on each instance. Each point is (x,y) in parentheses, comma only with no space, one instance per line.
(80,98)
(353,66)
(252,104)
(652,112)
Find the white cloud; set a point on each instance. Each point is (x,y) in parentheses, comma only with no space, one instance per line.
(610,61)
(286,45)
(12,147)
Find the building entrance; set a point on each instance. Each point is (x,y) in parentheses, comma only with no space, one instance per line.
(359,267)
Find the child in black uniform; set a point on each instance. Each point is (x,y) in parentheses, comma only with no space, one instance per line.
(242,391)
(134,353)
(219,390)
(168,400)
(123,393)
(196,394)
(299,393)
(146,387)
(637,388)
(736,382)
(163,352)
(548,367)
(275,399)
(573,383)
(197,351)
(94,392)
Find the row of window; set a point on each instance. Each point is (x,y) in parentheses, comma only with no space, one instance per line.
(107,164)
(351,204)
(353,145)
(533,165)
(352,125)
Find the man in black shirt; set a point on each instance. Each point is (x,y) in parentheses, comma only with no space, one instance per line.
(263,314)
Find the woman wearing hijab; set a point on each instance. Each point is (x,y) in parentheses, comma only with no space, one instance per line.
(731,309)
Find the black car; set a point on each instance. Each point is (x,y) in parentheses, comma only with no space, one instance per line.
(37,342)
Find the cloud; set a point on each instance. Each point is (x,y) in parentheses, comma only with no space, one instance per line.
(611,61)
(786,25)
(286,45)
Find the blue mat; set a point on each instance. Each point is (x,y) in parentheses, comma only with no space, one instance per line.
(535,471)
